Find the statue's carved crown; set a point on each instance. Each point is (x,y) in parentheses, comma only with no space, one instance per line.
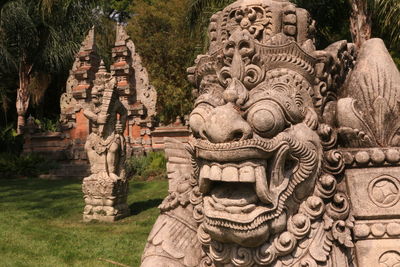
(267,33)
(103,80)
(264,20)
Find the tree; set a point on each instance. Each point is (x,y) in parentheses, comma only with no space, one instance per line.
(39,38)
(360,21)
(117,9)
(162,38)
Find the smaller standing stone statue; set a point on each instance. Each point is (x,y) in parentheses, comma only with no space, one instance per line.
(106,189)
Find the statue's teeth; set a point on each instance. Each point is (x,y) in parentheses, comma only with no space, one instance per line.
(261,186)
(230,174)
(246,174)
(204,182)
(204,185)
(215,173)
(205,172)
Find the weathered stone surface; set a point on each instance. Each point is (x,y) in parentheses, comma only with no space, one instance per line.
(292,161)
(368,128)
(105,190)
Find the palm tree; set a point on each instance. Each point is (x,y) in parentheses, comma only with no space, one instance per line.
(38,38)
(387,13)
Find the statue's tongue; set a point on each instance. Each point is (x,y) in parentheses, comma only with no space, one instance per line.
(234,194)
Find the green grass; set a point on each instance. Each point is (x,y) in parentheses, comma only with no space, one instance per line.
(41,225)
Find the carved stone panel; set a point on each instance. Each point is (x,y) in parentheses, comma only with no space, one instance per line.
(374,192)
(386,254)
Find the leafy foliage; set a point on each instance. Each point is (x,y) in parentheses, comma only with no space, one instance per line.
(10,142)
(387,21)
(29,165)
(117,9)
(163,40)
(148,167)
(48,125)
(47,37)
(38,38)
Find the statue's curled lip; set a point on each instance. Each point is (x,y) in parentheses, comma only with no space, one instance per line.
(239,150)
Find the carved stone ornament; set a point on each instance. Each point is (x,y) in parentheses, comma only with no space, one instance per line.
(106,189)
(284,136)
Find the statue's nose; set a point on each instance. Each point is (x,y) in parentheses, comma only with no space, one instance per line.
(225,124)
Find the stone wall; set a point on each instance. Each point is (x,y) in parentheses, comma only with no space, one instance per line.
(68,148)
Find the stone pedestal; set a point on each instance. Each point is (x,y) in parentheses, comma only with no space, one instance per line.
(373,183)
(105,198)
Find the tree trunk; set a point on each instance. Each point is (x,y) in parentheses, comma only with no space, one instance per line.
(360,22)
(23,96)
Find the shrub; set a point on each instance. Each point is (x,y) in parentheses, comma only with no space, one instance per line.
(10,141)
(48,125)
(149,167)
(28,165)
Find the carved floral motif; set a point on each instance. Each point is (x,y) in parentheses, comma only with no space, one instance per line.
(390,259)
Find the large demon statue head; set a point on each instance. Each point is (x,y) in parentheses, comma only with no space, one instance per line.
(262,91)
(259,172)
(254,120)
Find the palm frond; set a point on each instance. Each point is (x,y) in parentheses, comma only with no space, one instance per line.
(38,86)
(387,13)
(198,8)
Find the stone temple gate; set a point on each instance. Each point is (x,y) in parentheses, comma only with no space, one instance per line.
(135,92)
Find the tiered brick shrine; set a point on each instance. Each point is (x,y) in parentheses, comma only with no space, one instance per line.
(135,92)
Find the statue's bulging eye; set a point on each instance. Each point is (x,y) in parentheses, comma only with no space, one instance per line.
(263,120)
(266,118)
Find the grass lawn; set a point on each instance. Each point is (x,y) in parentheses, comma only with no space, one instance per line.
(41,225)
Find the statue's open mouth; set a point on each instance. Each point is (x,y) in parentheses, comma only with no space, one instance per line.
(242,196)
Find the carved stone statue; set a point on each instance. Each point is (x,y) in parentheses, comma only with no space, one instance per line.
(106,188)
(283,135)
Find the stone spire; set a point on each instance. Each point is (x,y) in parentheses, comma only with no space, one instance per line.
(89,43)
(121,36)
(102,68)
(88,64)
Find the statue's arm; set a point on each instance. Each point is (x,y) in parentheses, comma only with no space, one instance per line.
(90,115)
(123,114)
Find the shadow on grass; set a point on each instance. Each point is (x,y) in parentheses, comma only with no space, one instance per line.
(138,207)
(41,198)
(49,199)
(138,185)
